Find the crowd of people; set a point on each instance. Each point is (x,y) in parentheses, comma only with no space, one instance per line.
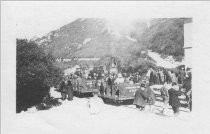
(173,83)
(66,89)
(160,76)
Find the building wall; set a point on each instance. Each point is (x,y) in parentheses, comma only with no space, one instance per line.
(187,35)
(188,57)
(188,44)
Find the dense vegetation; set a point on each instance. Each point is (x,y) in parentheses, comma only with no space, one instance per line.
(35,74)
(165,36)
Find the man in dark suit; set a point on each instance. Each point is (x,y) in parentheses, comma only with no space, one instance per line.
(173,98)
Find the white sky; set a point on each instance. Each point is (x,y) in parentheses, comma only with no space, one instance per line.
(39,18)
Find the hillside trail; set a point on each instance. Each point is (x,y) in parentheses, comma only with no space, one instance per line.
(168,62)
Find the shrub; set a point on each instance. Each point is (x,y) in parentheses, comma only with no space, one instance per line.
(140,65)
(165,36)
(35,74)
(48,103)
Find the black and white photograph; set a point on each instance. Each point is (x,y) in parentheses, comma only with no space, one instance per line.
(101,67)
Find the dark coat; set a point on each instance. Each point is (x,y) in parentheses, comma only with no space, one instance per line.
(109,81)
(167,77)
(143,97)
(158,78)
(182,75)
(102,87)
(187,84)
(69,88)
(155,77)
(140,98)
(151,78)
(62,87)
(173,97)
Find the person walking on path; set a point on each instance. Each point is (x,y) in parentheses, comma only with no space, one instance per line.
(102,87)
(165,95)
(158,77)
(144,96)
(140,98)
(173,98)
(109,88)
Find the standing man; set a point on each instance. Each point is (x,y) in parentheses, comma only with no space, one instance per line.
(102,87)
(187,85)
(69,90)
(173,98)
(140,98)
(79,82)
(109,88)
(63,90)
(151,78)
(162,77)
(158,77)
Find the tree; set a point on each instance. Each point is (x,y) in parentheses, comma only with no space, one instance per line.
(35,74)
(165,36)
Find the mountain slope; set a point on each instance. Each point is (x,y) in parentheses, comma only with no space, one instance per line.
(96,37)
(85,38)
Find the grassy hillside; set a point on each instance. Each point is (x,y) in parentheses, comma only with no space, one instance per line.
(92,37)
(84,38)
(165,36)
(87,38)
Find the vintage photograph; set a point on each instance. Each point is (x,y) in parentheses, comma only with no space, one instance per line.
(111,73)
(146,65)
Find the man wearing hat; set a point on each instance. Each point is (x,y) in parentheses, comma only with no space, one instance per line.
(144,96)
